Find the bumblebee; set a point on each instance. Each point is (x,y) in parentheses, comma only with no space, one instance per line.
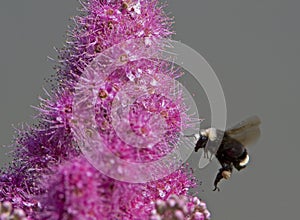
(229,146)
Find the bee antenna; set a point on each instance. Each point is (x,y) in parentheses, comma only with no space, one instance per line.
(189,135)
(192,136)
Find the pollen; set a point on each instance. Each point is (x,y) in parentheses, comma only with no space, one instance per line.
(123,58)
(104,125)
(144,130)
(164,114)
(124,6)
(89,133)
(68,109)
(110,12)
(110,25)
(151,90)
(102,94)
(98,48)
(226,174)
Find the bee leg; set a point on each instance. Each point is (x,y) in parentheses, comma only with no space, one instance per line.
(216,188)
(196,148)
(225,169)
(218,179)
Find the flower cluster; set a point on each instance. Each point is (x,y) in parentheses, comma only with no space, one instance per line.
(180,208)
(8,213)
(49,177)
(106,23)
(76,190)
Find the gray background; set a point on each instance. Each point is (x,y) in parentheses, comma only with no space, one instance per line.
(253,46)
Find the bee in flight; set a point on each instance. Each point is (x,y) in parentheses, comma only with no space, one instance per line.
(228,146)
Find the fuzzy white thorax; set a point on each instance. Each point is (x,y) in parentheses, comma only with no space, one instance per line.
(203,133)
(211,133)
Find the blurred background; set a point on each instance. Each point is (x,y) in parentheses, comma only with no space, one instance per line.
(253,47)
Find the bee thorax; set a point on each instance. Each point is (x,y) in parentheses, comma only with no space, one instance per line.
(203,133)
(211,133)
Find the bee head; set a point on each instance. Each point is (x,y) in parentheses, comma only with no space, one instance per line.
(201,141)
(204,136)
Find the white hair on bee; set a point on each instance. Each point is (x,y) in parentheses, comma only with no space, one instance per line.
(203,133)
(197,136)
(211,133)
(245,161)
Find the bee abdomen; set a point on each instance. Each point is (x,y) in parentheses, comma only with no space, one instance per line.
(235,151)
(242,161)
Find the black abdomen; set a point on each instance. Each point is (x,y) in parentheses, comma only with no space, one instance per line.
(231,149)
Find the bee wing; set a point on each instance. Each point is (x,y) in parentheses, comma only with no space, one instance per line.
(205,158)
(246,132)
